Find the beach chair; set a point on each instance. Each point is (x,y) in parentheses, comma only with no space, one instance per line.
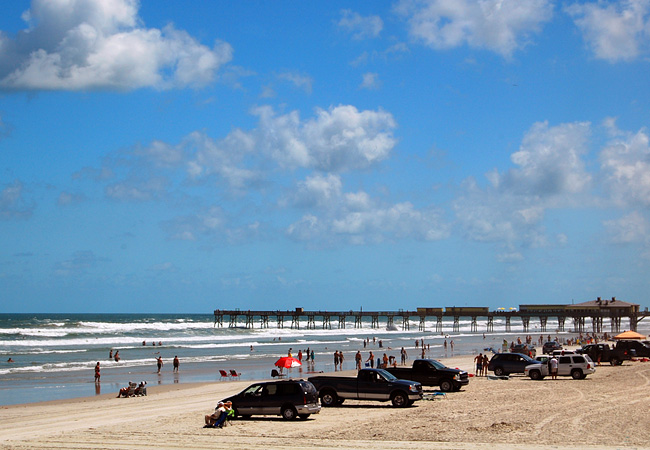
(223,374)
(276,374)
(234,373)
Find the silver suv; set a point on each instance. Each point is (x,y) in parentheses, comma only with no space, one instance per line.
(575,366)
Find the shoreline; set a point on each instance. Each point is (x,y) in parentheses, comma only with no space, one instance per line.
(512,414)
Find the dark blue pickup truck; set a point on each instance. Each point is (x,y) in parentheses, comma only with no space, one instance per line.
(430,372)
(369,384)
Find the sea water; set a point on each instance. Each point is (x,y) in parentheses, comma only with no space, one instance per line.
(54,355)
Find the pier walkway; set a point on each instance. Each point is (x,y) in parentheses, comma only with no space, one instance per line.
(597,312)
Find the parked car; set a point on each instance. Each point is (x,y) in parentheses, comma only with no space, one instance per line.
(575,366)
(524,349)
(430,372)
(626,345)
(369,384)
(549,346)
(286,398)
(507,363)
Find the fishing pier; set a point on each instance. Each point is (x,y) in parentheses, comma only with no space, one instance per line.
(598,312)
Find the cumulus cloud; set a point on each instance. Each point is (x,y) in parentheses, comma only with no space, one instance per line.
(339,139)
(550,171)
(359,26)
(94,44)
(501,26)
(630,229)
(625,163)
(614,31)
(550,161)
(356,218)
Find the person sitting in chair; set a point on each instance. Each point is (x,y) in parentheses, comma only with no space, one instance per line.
(218,417)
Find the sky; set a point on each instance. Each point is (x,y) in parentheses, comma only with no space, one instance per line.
(159,156)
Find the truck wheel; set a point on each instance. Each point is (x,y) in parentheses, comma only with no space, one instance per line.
(498,371)
(535,375)
(576,374)
(400,400)
(446,386)
(328,398)
(289,413)
(614,362)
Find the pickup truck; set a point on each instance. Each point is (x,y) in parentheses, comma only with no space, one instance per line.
(369,384)
(430,372)
(604,353)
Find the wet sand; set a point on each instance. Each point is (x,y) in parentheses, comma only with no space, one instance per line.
(609,409)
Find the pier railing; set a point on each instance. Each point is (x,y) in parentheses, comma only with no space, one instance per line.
(300,317)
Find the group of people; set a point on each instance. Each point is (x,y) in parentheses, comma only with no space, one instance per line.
(175,363)
(482,362)
(133,390)
(338,360)
(219,417)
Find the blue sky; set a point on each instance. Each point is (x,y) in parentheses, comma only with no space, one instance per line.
(156,157)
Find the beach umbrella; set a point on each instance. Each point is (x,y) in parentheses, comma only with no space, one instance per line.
(629,335)
(288,362)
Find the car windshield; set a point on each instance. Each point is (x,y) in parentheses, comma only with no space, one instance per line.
(436,364)
(388,376)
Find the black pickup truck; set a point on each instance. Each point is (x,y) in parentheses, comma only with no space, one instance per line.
(604,353)
(430,372)
(369,384)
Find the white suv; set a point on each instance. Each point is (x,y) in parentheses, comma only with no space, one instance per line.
(575,366)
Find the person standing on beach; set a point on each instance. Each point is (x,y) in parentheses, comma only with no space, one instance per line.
(312,357)
(403,356)
(97,374)
(357,359)
(336,361)
(340,360)
(176,363)
(371,360)
(159,363)
(486,362)
(479,364)
(553,368)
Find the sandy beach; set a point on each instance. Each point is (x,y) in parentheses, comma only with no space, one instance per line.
(610,409)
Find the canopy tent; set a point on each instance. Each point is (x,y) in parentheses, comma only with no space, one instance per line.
(629,335)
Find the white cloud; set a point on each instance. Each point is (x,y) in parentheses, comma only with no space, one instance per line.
(550,161)
(550,173)
(633,228)
(502,26)
(93,44)
(370,81)
(340,139)
(360,27)
(625,163)
(614,31)
(358,219)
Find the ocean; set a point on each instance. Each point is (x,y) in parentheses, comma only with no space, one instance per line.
(54,355)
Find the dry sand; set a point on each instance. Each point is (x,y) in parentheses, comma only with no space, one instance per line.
(608,410)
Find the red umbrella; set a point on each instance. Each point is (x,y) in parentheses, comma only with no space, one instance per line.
(287,362)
